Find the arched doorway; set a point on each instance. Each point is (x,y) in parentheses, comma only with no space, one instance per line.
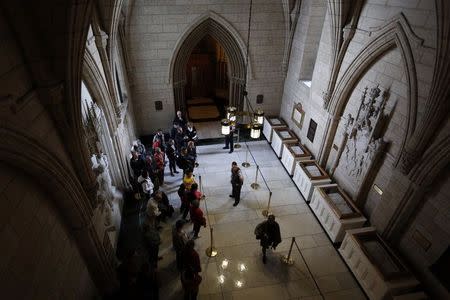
(207,81)
(213,27)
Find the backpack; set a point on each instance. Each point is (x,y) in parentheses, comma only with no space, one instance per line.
(260,230)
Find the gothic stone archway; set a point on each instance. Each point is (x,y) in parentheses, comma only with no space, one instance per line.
(219,29)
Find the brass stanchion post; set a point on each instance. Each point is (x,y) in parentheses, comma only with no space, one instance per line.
(265,212)
(200,185)
(287,258)
(255,184)
(246,164)
(211,251)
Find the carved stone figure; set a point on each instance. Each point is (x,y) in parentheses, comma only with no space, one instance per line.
(105,194)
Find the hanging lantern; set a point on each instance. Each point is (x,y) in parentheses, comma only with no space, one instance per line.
(255,131)
(259,116)
(231,113)
(225,126)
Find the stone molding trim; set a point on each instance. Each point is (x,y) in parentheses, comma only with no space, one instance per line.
(107,61)
(341,34)
(99,89)
(437,106)
(395,34)
(434,160)
(291,11)
(226,35)
(79,19)
(114,30)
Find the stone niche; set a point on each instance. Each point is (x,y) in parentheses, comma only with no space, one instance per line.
(380,272)
(281,136)
(271,123)
(307,175)
(335,211)
(292,153)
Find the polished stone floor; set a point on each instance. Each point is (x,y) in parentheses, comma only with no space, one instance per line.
(316,261)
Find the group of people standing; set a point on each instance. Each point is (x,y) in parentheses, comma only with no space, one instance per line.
(148,166)
(178,151)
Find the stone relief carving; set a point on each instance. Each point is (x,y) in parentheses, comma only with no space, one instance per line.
(363,135)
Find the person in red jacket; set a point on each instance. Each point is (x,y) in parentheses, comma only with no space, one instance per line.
(159,162)
(191,259)
(197,218)
(194,193)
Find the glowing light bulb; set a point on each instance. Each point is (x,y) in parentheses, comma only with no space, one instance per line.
(224,263)
(239,283)
(242,267)
(221,279)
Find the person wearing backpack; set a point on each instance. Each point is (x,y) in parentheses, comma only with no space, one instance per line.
(268,232)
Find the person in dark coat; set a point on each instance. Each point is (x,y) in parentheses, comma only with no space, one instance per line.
(173,131)
(180,140)
(191,132)
(190,282)
(192,152)
(185,205)
(237,180)
(190,277)
(179,240)
(137,164)
(229,140)
(152,240)
(172,157)
(268,232)
(180,120)
(185,162)
(197,218)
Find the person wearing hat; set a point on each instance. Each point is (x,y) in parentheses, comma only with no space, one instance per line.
(268,232)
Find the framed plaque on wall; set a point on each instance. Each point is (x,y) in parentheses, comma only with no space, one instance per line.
(298,115)
(311,130)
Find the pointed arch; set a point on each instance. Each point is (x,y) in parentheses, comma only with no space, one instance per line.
(227,36)
(395,34)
